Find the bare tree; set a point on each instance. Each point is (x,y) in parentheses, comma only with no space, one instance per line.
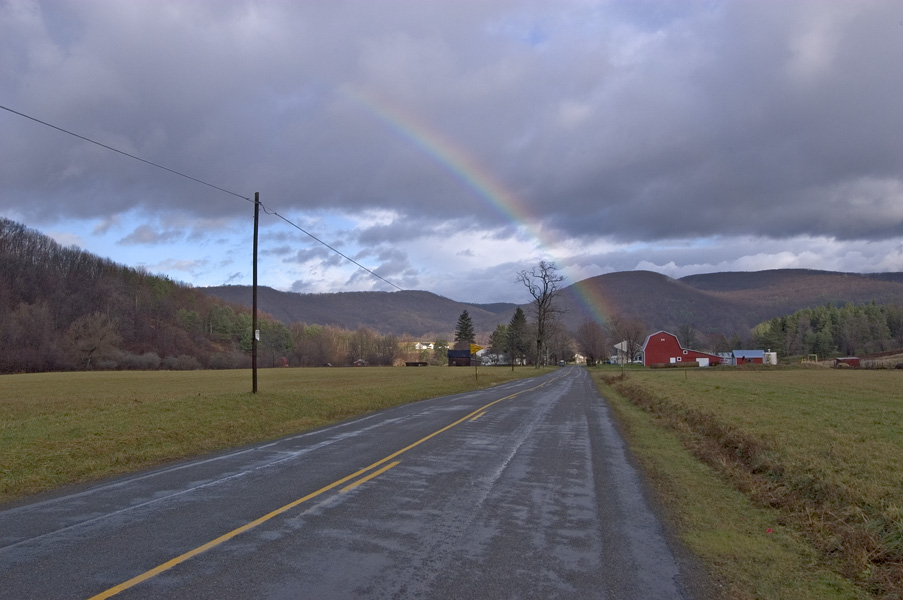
(544,284)
(631,332)
(93,336)
(560,345)
(686,333)
(591,341)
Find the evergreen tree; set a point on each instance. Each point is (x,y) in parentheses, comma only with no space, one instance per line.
(518,342)
(464,334)
(440,352)
(498,342)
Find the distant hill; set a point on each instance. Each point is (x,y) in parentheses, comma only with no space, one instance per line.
(415,313)
(726,303)
(658,301)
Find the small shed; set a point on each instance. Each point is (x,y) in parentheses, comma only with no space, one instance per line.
(852,361)
(459,358)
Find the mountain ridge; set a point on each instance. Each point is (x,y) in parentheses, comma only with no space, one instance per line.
(413,312)
(728,302)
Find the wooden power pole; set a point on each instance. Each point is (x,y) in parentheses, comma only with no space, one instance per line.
(254,299)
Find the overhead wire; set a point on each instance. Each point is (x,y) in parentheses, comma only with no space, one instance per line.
(202,182)
(124,153)
(318,240)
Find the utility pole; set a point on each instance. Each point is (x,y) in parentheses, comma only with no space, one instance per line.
(254,299)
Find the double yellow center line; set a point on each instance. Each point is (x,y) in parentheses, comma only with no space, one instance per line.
(344,480)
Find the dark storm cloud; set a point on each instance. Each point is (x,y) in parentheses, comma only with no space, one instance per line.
(755,122)
(632,121)
(411,230)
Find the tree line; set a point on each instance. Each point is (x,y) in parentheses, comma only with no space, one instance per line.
(826,330)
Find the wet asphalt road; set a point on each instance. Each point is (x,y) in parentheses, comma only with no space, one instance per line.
(522,491)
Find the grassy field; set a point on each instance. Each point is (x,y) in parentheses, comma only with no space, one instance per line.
(787,482)
(64,428)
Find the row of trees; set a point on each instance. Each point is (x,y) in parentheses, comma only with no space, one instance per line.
(516,342)
(326,345)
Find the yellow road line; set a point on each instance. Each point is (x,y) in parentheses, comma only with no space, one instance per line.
(260,520)
(478,416)
(368,477)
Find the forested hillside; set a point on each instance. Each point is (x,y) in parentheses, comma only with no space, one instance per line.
(62,308)
(850,329)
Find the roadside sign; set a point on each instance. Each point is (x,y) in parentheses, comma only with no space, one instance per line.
(474,348)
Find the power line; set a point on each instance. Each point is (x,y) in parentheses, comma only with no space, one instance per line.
(202,182)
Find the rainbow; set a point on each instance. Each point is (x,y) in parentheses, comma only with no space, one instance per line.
(474,177)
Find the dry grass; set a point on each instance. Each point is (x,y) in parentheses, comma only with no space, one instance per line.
(821,447)
(63,428)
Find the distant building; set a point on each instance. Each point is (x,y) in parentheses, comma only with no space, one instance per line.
(622,355)
(852,361)
(663,348)
(748,357)
(459,358)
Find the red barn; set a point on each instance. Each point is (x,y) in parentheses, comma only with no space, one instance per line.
(662,348)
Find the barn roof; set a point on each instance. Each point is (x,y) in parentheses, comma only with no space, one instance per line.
(659,332)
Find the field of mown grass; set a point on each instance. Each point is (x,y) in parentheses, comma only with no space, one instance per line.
(64,428)
(816,454)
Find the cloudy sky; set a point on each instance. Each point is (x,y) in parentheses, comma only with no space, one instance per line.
(448,144)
